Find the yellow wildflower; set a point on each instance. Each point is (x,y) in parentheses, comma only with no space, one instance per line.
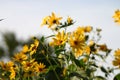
(117,53)
(87,50)
(33,47)
(60,39)
(19,57)
(116,16)
(53,20)
(69,20)
(12,74)
(88,29)
(77,41)
(28,65)
(116,62)
(80,30)
(45,20)
(25,49)
(78,52)
(40,68)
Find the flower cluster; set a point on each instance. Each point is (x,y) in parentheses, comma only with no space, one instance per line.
(74,55)
(23,65)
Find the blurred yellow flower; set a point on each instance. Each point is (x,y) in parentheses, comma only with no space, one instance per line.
(77,41)
(33,47)
(28,65)
(78,52)
(116,62)
(52,21)
(117,53)
(25,49)
(45,20)
(116,16)
(12,74)
(40,68)
(88,29)
(69,20)
(19,57)
(60,39)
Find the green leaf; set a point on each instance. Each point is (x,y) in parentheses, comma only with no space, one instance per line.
(79,63)
(42,39)
(117,77)
(103,70)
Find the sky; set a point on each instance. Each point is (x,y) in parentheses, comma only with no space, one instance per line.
(25,16)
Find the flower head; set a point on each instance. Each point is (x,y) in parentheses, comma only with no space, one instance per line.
(33,47)
(19,57)
(116,16)
(60,39)
(52,21)
(40,68)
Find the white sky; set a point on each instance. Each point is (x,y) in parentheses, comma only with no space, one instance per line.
(24,16)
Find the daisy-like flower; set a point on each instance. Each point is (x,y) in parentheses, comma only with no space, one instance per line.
(28,65)
(45,21)
(19,57)
(77,41)
(116,16)
(69,20)
(40,68)
(60,39)
(52,21)
(10,67)
(34,47)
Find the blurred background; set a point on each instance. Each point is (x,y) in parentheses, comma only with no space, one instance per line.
(21,19)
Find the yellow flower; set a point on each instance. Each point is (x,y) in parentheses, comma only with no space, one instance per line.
(53,20)
(33,47)
(7,66)
(116,62)
(3,65)
(40,68)
(80,30)
(88,29)
(60,39)
(117,53)
(69,20)
(12,74)
(87,50)
(28,65)
(25,49)
(19,57)
(116,16)
(45,20)
(77,40)
(78,52)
